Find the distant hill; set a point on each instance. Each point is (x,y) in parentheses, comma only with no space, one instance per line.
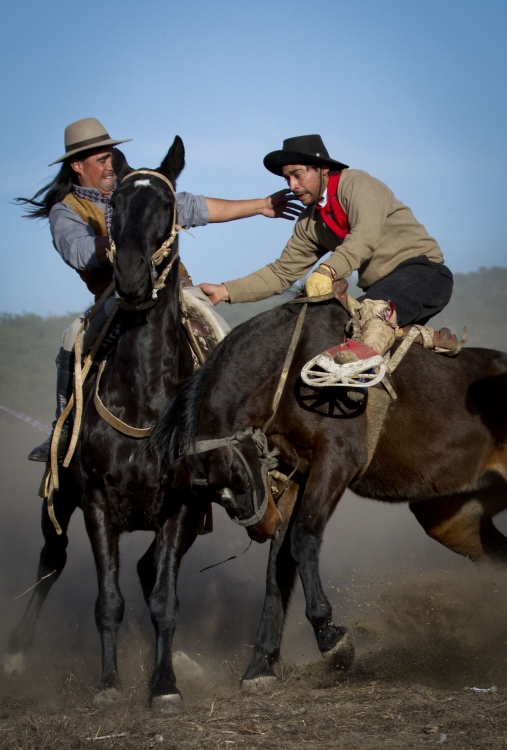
(29,343)
(479,301)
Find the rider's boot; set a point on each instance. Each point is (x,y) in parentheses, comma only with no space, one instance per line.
(377,321)
(64,386)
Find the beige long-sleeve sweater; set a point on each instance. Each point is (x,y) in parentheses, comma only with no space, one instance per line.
(383,234)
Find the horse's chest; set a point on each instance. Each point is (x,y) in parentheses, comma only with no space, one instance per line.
(132,491)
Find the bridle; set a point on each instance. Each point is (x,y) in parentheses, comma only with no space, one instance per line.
(267,460)
(158,282)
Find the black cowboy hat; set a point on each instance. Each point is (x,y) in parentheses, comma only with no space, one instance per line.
(304,149)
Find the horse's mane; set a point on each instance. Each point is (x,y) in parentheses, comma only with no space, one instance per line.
(177,428)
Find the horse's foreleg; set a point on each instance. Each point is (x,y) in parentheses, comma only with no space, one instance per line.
(174,538)
(52,561)
(109,604)
(464,525)
(280,578)
(334,641)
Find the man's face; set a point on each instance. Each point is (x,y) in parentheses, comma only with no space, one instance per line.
(96,171)
(305,182)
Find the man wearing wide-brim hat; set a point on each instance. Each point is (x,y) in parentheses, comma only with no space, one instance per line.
(78,204)
(357,219)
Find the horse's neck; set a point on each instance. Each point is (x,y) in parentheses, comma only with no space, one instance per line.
(149,351)
(241,391)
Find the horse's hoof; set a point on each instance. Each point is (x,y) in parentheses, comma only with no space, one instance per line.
(341,655)
(258,683)
(167,704)
(107,697)
(14,664)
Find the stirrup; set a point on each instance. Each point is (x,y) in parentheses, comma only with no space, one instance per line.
(351,375)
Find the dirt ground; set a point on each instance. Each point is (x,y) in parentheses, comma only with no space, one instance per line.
(305,709)
(428,627)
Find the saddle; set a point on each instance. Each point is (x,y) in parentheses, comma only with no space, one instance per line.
(322,371)
(319,371)
(204,331)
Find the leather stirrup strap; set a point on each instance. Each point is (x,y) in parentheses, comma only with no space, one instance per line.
(286,366)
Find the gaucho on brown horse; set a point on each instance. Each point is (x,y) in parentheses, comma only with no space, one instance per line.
(440,448)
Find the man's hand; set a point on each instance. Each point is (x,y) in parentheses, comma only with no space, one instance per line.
(216,292)
(319,283)
(279,206)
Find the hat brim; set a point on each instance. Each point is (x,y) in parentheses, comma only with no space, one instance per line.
(276,160)
(108,142)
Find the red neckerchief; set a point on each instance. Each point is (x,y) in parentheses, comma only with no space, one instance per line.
(332,213)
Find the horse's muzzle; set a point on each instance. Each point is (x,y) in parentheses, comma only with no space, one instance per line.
(269,526)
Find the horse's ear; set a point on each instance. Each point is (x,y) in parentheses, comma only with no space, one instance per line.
(120,166)
(173,164)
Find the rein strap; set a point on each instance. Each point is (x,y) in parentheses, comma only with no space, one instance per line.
(123,427)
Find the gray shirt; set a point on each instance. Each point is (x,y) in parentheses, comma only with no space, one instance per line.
(74,239)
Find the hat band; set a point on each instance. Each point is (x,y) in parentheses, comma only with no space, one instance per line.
(88,142)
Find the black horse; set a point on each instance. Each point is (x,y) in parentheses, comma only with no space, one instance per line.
(442,449)
(117,480)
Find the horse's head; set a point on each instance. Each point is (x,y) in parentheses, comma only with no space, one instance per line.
(235,476)
(143,219)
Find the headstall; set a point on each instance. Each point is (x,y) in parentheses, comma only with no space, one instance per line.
(267,460)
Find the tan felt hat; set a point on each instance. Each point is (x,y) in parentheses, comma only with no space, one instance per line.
(84,134)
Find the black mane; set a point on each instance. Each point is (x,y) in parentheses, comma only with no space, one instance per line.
(177,427)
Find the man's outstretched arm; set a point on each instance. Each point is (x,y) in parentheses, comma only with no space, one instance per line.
(276,206)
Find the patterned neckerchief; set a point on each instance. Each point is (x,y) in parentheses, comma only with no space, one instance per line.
(94,196)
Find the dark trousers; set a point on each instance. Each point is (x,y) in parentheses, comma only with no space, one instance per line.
(419,289)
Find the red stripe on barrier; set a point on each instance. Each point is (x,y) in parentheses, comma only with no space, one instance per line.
(29,420)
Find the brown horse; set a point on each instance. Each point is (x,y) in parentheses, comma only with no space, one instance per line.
(442,449)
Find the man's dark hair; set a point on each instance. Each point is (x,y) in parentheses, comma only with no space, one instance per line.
(56,190)
(316,167)
(53,192)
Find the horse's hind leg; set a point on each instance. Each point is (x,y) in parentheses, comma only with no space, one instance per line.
(280,578)
(464,524)
(147,572)
(147,568)
(109,605)
(334,641)
(52,561)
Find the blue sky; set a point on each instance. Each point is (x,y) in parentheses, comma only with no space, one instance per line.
(412,92)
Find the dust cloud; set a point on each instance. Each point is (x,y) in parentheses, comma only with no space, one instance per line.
(417,611)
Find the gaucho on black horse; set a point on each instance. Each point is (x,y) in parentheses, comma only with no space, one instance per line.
(114,475)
